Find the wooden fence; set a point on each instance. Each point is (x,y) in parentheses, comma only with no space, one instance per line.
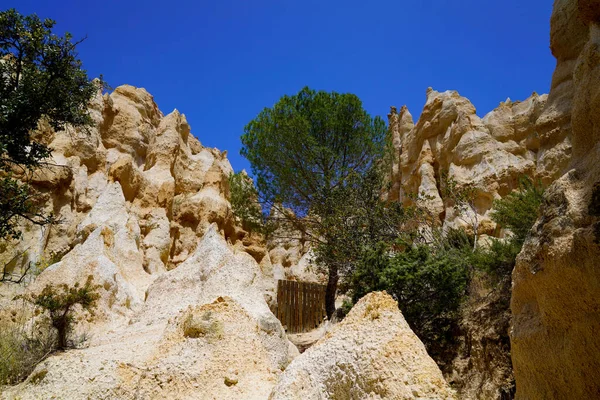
(300,305)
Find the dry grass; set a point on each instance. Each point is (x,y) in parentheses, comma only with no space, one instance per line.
(23,342)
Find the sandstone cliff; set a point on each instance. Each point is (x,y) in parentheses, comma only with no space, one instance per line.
(556,282)
(449,141)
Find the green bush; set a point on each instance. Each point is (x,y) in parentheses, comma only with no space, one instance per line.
(428,283)
(60,301)
(497,260)
(25,341)
(519,210)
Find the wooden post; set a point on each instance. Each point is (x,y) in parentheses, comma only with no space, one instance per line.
(288,306)
(296,308)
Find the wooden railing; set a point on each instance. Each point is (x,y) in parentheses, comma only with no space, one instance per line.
(300,305)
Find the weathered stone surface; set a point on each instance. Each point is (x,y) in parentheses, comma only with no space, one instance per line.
(451,141)
(135,195)
(161,169)
(371,354)
(481,367)
(203,331)
(556,282)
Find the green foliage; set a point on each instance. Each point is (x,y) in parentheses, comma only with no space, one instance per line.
(23,345)
(41,79)
(244,202)
(18,199)
(355,218)
(498,259)
(307,144)
(428,283)
(519,210)
(59,302)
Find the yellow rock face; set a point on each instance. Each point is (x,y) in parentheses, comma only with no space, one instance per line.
(489,153)
(556,283)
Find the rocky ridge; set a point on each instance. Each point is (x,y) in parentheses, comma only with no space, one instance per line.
(449,141)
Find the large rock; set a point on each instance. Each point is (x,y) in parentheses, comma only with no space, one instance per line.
(204,331)
(174,187)
(371,354)
(556,282)
(134,195)
(450,140)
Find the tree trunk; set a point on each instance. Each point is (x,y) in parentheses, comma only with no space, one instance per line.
(61,327)
(331,291)
(476,231)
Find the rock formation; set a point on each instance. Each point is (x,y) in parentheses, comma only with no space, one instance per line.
(556,282)
(135,195)
(173,188)
(290,255)
(140,175)
(449,141)
(204,330)
(371,354)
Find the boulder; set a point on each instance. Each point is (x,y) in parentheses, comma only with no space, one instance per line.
(371,354)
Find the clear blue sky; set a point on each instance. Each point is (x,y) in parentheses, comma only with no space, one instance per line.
(220,62)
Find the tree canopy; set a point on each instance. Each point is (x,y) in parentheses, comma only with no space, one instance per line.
(41,78)
(308,144)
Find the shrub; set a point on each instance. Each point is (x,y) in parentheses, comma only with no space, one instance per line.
(519,210)
(428,283)
(23,345)
(60,301)
(497,260)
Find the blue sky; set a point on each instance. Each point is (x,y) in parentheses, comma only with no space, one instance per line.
(221,62)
